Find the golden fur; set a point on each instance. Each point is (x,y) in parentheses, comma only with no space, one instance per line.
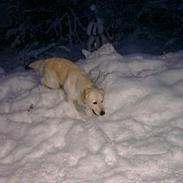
(78,87)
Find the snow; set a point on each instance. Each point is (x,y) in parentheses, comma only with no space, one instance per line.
(139,140)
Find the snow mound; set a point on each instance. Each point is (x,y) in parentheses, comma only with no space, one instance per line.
(139,140)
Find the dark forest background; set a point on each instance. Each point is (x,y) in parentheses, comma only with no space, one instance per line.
(42,22)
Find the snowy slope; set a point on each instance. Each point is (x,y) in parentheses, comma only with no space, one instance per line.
(139,140)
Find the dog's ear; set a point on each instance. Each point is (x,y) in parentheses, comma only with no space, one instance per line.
(85,94)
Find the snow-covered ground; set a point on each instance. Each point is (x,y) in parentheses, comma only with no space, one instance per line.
(139,140)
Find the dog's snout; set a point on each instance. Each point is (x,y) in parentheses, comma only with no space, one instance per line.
(102,113)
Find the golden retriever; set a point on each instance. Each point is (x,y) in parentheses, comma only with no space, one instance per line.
(78,87)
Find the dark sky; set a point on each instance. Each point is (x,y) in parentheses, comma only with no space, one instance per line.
(45,20)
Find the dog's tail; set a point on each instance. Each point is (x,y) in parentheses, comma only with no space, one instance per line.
(37,65)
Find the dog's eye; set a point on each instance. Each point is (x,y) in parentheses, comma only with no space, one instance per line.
(94,102)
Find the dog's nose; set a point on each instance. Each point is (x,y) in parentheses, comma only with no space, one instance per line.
(102,113)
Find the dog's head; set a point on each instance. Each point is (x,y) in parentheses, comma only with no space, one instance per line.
(93,97)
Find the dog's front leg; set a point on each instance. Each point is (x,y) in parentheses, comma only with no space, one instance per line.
(88,111)
(73,106)
(71,102)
